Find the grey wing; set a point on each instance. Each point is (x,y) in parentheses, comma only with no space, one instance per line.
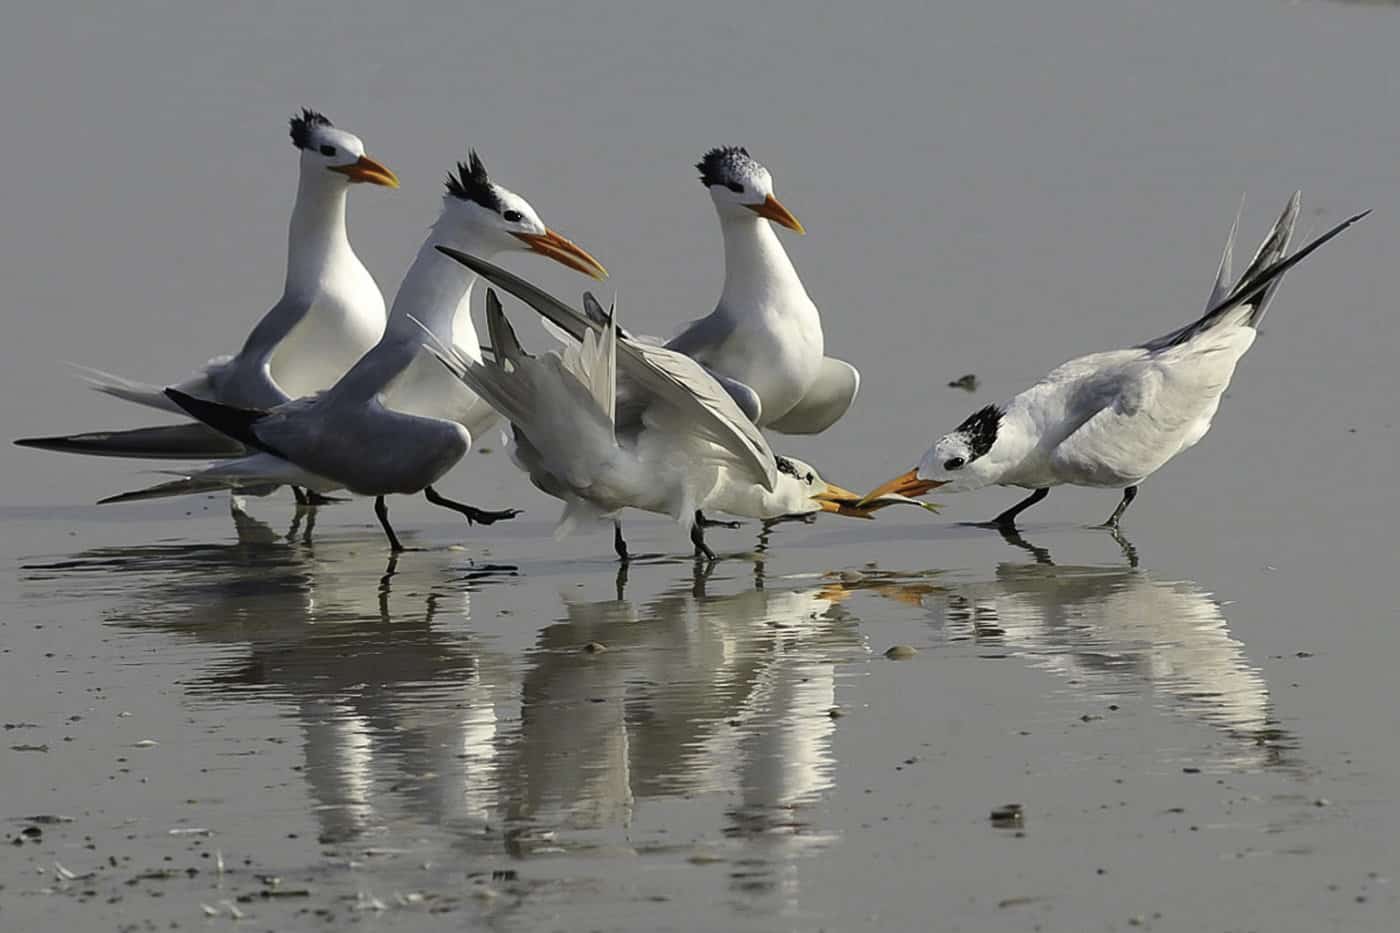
(670,375)
(706,335)
(829,397)
(745,397)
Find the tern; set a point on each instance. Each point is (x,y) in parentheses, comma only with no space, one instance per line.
(331,312)
(393,424)
(611,422)
(1112,419)
(764,338)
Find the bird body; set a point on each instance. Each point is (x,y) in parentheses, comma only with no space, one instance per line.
(331,310)
(765,332)
(1114,418)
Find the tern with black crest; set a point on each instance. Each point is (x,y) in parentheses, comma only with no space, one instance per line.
(764,339)
(330,313)
(1112,419)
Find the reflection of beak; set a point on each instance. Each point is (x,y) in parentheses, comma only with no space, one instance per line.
(366,169)
(906,484)
(841,501)
(774,211)
(561,250)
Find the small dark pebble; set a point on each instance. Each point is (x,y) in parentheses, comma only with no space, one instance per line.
(967,383)
(1010,814)
(1303,654)
(1189,770)
(504,874)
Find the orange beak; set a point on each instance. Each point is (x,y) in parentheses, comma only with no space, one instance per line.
(773,210)
(906,484)
(368,170)
(563,251)
(840,501)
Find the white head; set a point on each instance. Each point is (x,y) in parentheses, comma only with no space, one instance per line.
(800,490)
(327,149)
(741,187)
(485,217)
(958,460)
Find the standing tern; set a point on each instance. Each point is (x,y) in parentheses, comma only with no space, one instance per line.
(330,313)
(765,333)
(662,435)
(355,435)
(1112,419)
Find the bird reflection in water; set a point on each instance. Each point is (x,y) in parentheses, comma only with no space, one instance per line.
(1109,632)
(711,699)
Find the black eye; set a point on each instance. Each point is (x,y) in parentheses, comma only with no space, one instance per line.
(513,216)
(809,479)
(327,150)
(734,186)
(953,463)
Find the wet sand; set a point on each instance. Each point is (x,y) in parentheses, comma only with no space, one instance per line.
(523,741)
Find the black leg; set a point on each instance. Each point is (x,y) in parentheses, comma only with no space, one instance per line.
(620,545)
(299,496)
(697,538)
(1129,494)
(382,510)
(315,498)
(806,518)
(1007,519)
(474,515)
(704,522)
(1013,537)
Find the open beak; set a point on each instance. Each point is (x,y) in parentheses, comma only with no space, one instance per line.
(906,484)
(773,210)
(561,250)
(841,501)
(367,169)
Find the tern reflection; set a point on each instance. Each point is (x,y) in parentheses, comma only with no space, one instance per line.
(1111,632)
(396,697)
(685,694)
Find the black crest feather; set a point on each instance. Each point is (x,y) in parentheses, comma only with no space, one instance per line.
(721,164)
(470,183)
(301,126)
(785,466)
(980,429)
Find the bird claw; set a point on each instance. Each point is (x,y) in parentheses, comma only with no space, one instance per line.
(485,517)
(716,523)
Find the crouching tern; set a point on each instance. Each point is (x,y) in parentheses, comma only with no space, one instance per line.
(608,423)
(330,313)
(764,339)
(397,421)
(1112,419)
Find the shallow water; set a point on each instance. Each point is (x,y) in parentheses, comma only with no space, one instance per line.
(1198,720)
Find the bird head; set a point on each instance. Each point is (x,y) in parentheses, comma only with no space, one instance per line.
(497,219)
(740,186)
(958,460)
(327,149)
(800,490)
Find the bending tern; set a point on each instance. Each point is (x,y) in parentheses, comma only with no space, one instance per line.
(563,410)
(611,423)
(393,423)
(1112,419)
(765,334)
(330,313)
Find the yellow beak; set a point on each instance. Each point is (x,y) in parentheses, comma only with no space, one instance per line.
(773,210)
(367,169)
(563,251)
(905,484)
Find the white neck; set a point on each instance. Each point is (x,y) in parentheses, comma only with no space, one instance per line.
(756,267)
(317,236)
(436,295)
